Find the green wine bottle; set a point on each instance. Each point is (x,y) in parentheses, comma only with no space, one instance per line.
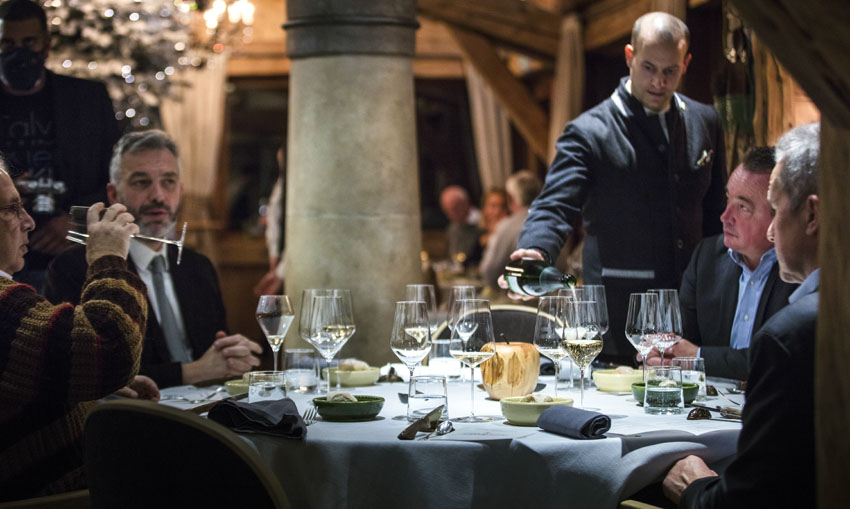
(534,277)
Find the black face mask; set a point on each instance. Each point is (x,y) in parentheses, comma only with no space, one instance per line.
(20,68)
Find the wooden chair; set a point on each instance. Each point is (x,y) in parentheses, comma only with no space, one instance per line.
(78,499)
(139,455)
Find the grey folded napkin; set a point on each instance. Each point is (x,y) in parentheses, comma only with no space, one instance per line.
(279,418)
(574,422)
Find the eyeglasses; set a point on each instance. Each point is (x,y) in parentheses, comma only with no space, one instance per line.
(16,208)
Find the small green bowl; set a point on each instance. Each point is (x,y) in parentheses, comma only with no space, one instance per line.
(689,391)
(366,408)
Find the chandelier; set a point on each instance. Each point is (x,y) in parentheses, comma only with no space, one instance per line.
(135,47)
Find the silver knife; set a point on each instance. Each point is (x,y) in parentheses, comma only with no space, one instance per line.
(206,406)
(427,423)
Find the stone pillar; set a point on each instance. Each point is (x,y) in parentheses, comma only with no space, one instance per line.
(352,204)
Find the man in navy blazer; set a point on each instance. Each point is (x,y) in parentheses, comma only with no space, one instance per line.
(775,464)
(732,286)
(145,176)
(644,170)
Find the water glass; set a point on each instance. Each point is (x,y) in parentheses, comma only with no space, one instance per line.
(427,392)
(663,395)
(266,386)
(693,371)
(302,370)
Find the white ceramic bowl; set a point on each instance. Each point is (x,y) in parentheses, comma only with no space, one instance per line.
(523,413)
(353,378)
(611,380)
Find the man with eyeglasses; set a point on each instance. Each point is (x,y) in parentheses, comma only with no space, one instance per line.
(56,133)
(56,360)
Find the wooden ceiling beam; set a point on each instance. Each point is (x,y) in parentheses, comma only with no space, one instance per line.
(608,21)
(512,23)
(528,117)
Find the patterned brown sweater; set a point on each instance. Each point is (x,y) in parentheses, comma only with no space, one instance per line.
(54,361)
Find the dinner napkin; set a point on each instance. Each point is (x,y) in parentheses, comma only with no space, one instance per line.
(574,422)
(279,418)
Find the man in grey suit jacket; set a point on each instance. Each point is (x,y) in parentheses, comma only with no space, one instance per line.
(185,341)
(775,464)
(731,286)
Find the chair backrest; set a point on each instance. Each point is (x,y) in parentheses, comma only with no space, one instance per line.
(515,321)
(78,499)
(140,454)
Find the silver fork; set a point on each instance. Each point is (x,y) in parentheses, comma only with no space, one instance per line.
(309,416)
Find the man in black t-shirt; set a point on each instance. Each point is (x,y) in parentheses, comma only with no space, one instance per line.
(56,133)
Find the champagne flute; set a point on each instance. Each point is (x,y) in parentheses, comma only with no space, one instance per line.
(275,315)
(410,339)
(473,328)
(642,322)
(549,331)
(582,337)
(331,324)
(670,320)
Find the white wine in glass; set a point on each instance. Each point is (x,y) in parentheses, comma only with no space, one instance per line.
(583,337)
(329,322)
(410,338)
(473,328)
(275,315)
(549,331)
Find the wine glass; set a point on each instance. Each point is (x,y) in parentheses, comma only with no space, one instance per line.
(642,321)
(331,324)
(549,331)
(582,337)
(427,295)
(473,328)
(410,339)
(669,320)
(306,316)
(459,292)
(275,315)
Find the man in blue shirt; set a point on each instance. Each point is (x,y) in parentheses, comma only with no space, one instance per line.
(775,463)
(732,286)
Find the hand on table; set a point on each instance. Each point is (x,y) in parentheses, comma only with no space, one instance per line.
(683,348)
(520,253)
(141,387)
(228,356)
(683,473)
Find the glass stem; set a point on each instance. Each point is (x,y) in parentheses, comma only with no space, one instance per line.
(581,374)
(557,370)
(409,390)
(472,393)
(274,358)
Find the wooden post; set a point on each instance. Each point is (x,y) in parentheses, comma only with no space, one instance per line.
(568,85)
(832,379)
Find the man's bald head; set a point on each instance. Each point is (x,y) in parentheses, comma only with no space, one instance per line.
(660,27)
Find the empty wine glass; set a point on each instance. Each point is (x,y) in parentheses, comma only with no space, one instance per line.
(410,338)
(275,315)
(549,331)
(642,321)
(459,292)
(473,328)
(331,324)
(669,320)
(582,337)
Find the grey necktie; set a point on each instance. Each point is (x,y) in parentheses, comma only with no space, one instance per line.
(168,323)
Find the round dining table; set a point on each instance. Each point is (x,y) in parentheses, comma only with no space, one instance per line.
(495,464)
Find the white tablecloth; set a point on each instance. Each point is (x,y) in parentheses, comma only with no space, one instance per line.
(363,464)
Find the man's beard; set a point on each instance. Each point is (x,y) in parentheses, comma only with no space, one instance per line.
(155,229)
